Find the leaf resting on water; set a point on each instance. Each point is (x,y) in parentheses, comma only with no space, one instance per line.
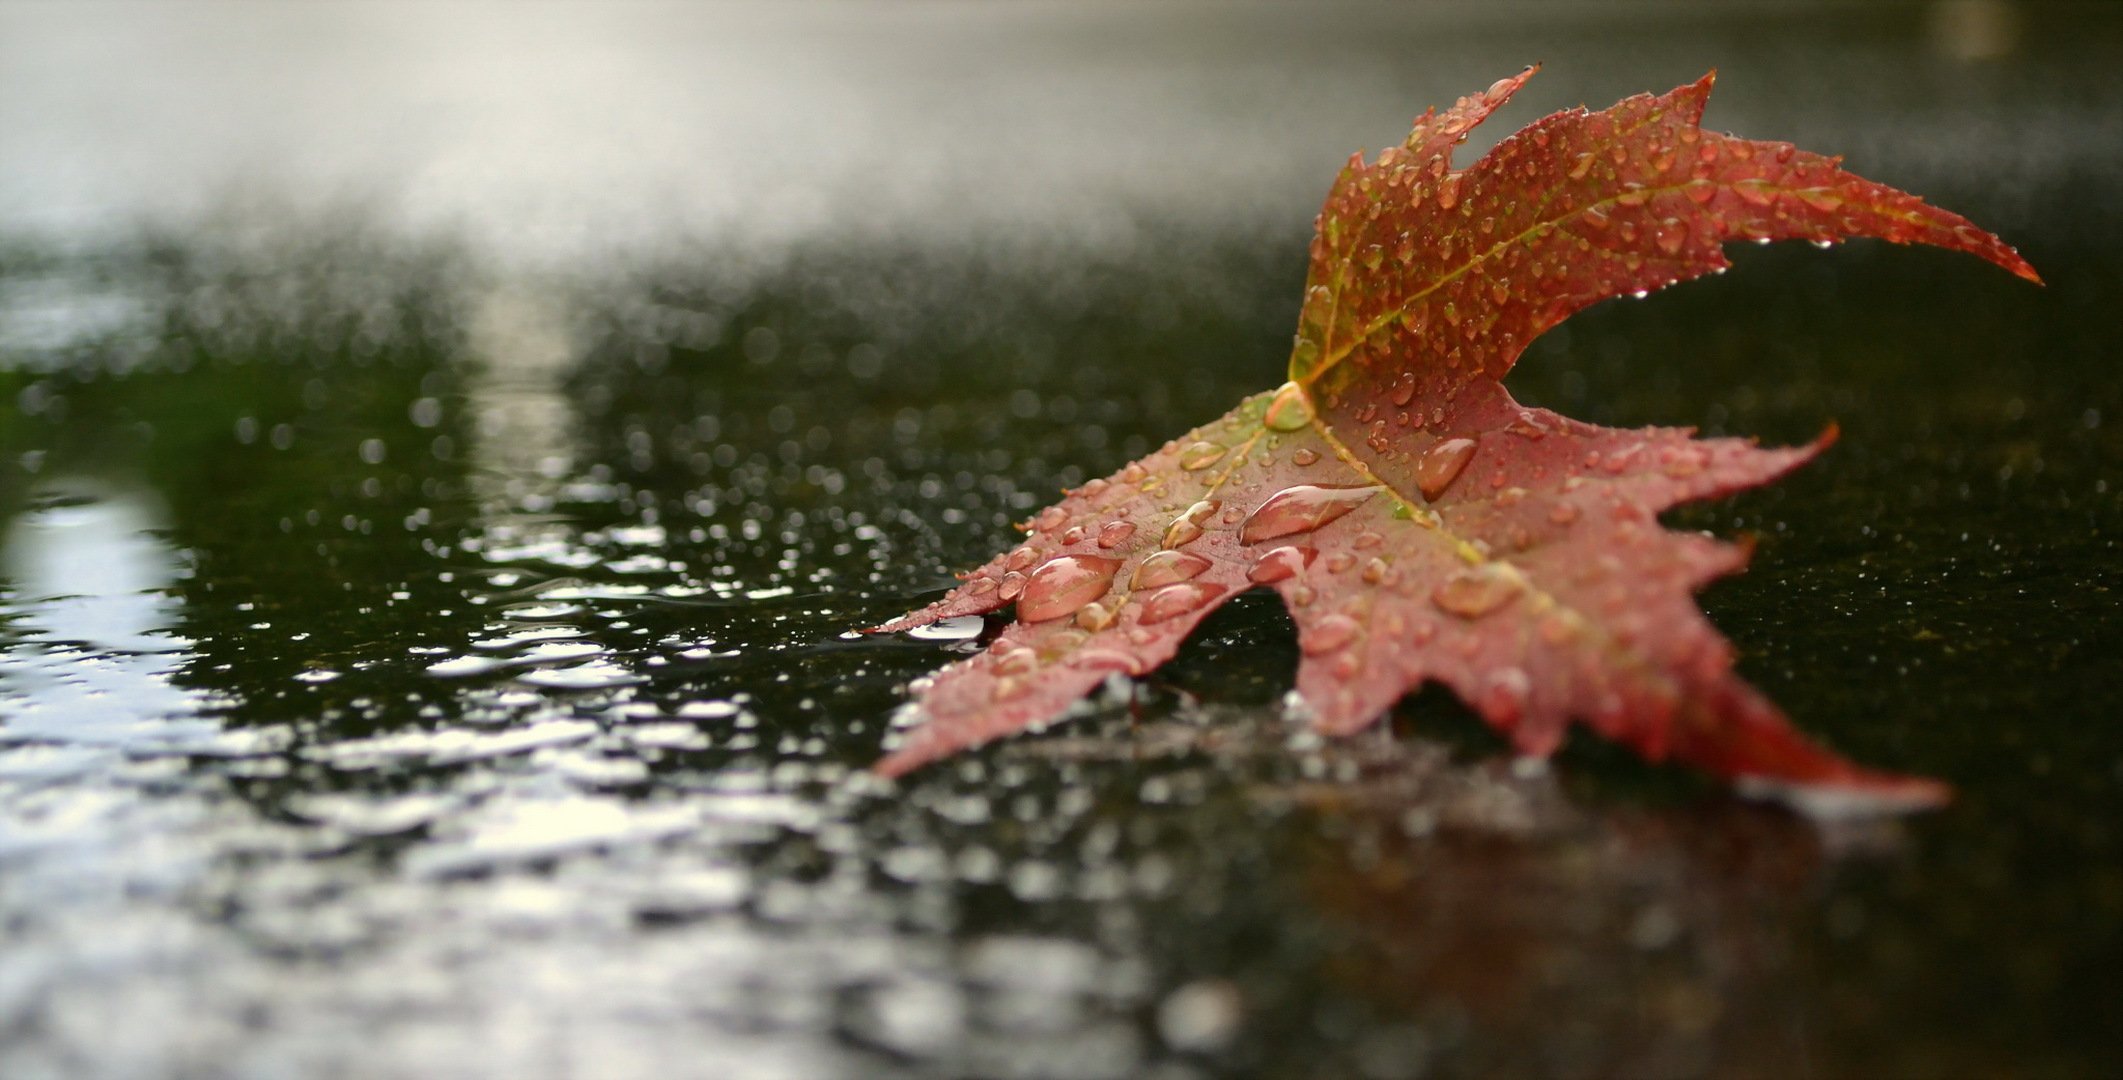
(1419,523)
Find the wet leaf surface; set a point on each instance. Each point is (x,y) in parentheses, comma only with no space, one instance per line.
(1419,523)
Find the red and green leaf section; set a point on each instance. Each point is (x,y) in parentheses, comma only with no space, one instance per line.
(1421,525)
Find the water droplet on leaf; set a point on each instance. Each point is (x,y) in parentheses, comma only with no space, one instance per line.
(1477,590)
(1441,465)
(1172,601)
(1168,568)
(1062,585)
(1300,509)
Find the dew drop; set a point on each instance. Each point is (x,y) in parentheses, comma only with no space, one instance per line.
(1115,533)
(1075,535)
(1821,199)
(1581,166)
(1340,561)
(1280,564)
(1168,568)
(1404,389)
(1200,455)
(1062,585)
(1476,591)
(1332,633)
(1441,465)
(1173,601)
(1020,559)
(980,586)
(1300,509)
(1304,456)
(1050,519)
(1016,661)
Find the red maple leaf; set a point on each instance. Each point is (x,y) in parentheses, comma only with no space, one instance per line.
(1418,522)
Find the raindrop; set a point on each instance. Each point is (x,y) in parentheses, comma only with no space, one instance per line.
(1016,660)
(1280,564)
(1050,519)
(1168,568)
(1020,559)
(1290,411)
(1441,465)
(1172,601)
(1098,616)
(1115,533)
(1671,234)
(1504,695)
(1013,585)
(1404,389)
(1300,509)
(1201,455)
(1477,590)
(1188,528)
(1063,585)
(1448,192)
(1107,660)
(1328,635)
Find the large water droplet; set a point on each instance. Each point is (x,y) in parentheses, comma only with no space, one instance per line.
(1477,590)
(1280,564)
(1300,509)
(1188,528)
(1115,533)
(1327,635)
(1441,465)
(1172,601)
(1168,568)
(1200,455)
(1304,456)
(1062,585)
(1290,411)
(1020,558)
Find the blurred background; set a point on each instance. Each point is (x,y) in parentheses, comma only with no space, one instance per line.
(445,447)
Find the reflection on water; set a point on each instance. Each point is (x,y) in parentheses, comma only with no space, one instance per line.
(90,656)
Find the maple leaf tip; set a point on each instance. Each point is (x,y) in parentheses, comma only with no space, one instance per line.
(1859,797)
